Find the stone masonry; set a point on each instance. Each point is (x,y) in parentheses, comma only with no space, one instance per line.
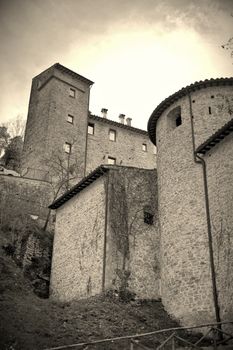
(22,196)
(186,284)
(57,120)
(112,249)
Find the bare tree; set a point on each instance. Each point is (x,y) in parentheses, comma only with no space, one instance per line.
(229,46)
(16,126)
(64,171)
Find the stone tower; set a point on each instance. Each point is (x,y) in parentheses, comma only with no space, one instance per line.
(56,130)
(193,132)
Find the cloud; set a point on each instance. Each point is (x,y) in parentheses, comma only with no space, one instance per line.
(83,33)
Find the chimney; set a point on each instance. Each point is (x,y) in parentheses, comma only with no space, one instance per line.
(104,112)
(128,121)
(122,118)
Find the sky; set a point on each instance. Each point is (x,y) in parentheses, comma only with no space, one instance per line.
(138,52)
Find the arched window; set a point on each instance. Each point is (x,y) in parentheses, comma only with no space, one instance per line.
(174,118)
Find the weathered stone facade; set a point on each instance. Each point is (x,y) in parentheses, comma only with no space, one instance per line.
(57,116)
(112,248)
(127,149)
(56,120)
(186,283)
(22,196)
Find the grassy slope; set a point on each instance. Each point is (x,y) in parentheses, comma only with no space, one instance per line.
(28,322)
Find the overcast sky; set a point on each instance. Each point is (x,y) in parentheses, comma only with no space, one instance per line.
(136,51)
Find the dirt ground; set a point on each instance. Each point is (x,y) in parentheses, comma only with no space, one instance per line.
(29,322)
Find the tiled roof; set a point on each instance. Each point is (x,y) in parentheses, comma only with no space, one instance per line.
(86,181)
(151,127)
(95,174)
(119,125)
(216,138)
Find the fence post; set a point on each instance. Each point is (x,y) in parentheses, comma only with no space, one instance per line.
(173,343)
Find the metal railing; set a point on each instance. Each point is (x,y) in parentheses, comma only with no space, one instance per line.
(212,335)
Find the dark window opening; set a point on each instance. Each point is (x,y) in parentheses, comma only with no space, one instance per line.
(178,121)
(212,96)
(148,218)
(210,110)
(193,101)
(144,147)
(174,118)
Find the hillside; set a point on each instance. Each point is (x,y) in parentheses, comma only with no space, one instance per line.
(29,322)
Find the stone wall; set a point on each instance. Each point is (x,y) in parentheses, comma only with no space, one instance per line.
(132,254)
(48,129)
(186,284)
(127,149)
(22,196)
(99,247)
(77,262)
(220,175)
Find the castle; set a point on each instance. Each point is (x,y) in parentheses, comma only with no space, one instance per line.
(164,233)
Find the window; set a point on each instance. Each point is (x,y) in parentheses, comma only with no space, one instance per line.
(91,128)
(112,135)
(148,218)
(178,121)
(72,92)
(70,119)
(144,147)
(67,147)
(174,118)
(210,110)
(111,160)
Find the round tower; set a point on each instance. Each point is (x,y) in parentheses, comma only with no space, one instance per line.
(193,132)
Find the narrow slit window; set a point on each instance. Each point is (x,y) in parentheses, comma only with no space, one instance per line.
(70,119)
(67,147)
(144,147)
(178,120)
(91,128)
(210,112)
(72,93)
(112,135)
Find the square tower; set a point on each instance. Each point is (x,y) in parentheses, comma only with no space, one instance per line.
(56,130)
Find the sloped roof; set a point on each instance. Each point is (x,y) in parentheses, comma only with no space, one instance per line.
(86,181)
(72,73)
(68,71)
(151,126)
(216,138)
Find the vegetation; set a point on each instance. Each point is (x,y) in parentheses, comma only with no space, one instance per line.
(29,322)
(11,143)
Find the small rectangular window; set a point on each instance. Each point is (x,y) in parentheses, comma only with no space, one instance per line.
(148,218)
(112,135)
(72,92)
(91,128)
(111,160)
(70,119)
(144,147)
(210,110)
(67,147)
